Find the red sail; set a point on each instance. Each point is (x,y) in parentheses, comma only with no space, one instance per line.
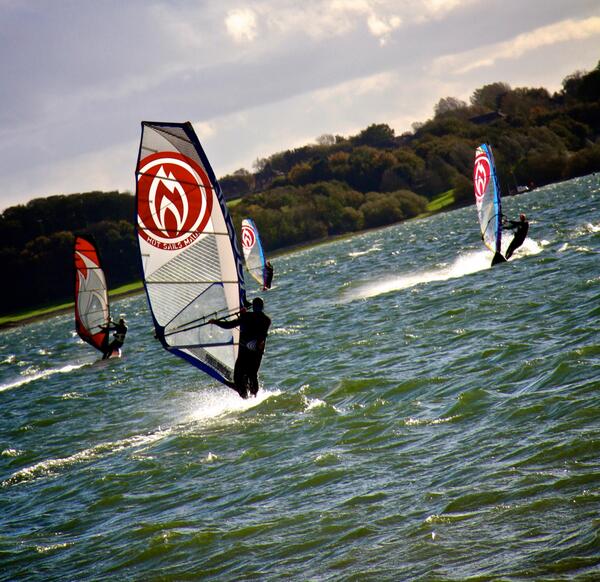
(91,297)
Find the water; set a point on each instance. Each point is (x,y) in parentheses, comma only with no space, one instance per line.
(423,417)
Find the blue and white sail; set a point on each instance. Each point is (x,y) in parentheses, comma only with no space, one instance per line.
(253,252)
(487,198)
(191,263)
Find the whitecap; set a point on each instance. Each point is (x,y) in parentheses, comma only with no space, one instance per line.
(30,377)
(52,466)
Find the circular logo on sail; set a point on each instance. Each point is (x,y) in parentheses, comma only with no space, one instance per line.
(481,175)
(248,237)
(174,200)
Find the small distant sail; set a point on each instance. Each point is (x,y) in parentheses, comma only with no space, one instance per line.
(253,252)
(191,263)
(487,198)
(91,297)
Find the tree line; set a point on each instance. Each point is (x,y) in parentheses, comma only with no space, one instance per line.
(537,138)
(336,185)
(36,245)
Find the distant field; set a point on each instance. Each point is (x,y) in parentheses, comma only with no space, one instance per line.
(441,201)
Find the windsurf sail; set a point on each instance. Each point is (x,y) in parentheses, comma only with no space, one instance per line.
(253,252)
(191,263)
(91,297)
(487,198)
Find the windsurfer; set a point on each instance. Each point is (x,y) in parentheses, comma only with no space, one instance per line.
(268,275)
(254,327)
(120,330)
(521,228)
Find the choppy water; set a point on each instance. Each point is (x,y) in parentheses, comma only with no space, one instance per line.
(423,417)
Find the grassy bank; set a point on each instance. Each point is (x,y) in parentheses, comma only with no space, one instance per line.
(29,315)
(441,201)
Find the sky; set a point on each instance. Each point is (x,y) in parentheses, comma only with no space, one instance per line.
(255,77)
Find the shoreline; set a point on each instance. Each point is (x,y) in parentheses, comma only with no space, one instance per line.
(53,311)
(66,308)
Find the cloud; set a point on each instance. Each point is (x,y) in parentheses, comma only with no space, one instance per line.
(205,129)
(317,19)
(241,24)
(382,28)
(439,8)
(350,90)
(560,32)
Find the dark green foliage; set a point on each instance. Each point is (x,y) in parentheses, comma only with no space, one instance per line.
(584,162)
(293,215)
(583,87)
(37,245)
(490,96)
(237,184)
(463,190)
(376,135)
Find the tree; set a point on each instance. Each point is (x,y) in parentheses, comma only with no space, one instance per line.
(377,135)
(449,105)
(583,86)
(463,190)
(259,164)
(327,139)
(490,96)
(301,174)
(240,183)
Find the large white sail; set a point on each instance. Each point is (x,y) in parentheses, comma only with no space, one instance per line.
(191,263)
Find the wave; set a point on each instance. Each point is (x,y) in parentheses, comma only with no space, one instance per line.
(37,376)
(585,229)
(51,466)
(373,249)
(213,405)
(465,264)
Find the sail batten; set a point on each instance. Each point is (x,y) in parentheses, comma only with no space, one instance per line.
(191,263)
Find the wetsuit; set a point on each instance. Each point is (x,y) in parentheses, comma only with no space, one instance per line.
(521,228)
(254,327)
(268,276)
(119,338)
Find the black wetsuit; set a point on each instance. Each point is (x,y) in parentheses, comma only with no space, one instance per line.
(521,228)
(119,338)
(268,276)
(254,327)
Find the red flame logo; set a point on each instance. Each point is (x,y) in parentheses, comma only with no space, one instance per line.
(481,175)
(175,199)
(248,238)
